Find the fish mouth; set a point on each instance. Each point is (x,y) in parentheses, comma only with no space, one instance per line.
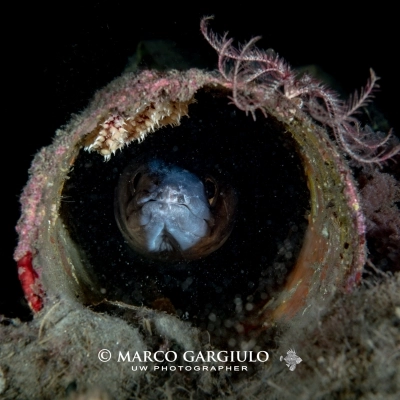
(171,227)
(168,243)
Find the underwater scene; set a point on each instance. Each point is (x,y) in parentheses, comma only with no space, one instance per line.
(205,216)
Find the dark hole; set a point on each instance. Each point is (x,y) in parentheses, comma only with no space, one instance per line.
(136,180)
(210,187)
(249,268)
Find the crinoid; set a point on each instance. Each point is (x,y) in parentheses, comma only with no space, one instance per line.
(261,80)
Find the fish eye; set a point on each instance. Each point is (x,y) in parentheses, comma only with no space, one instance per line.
(211,187)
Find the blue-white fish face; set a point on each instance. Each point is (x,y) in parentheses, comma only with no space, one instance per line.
(164,211)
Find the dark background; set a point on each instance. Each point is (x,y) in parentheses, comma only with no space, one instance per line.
(56,58)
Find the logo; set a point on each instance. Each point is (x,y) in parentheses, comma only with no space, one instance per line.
(209,360)
(291,360)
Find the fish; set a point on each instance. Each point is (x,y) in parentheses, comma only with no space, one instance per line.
(169,213)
